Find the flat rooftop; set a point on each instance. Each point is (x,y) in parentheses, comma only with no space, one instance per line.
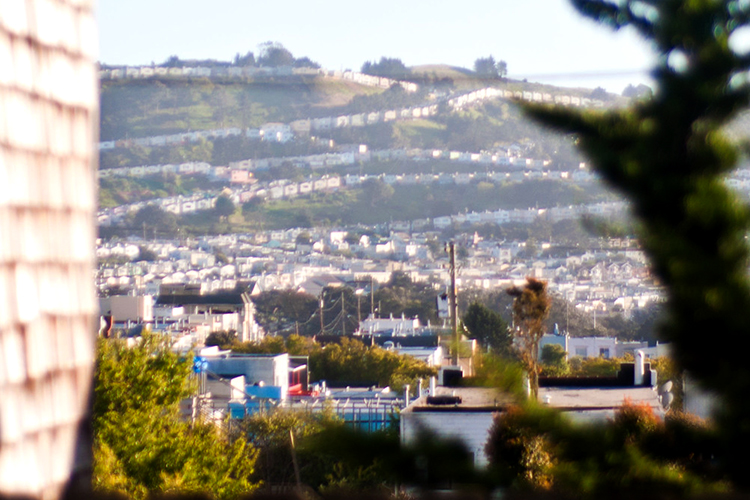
(472,399)
(592,398)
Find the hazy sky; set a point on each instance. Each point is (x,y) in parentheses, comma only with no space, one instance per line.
(542,40)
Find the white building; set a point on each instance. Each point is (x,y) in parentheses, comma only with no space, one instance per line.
(392,326)
(464,413)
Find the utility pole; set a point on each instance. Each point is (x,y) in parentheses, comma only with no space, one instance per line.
(322,328)
(594,318)
(343,316)
(372,297)
(359,293)
(453,302)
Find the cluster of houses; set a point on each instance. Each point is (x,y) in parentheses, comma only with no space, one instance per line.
(611,281)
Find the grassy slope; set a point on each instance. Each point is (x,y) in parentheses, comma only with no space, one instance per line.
(151,107)
(416,202)
(138,108)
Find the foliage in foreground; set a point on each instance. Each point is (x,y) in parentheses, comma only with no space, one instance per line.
(634,453)
(141,446)
(284,436)
(669,156)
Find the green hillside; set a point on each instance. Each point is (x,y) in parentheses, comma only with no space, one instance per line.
(139,108)
(142,108)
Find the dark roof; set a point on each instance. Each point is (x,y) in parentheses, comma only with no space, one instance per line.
(222,298)
(406,340)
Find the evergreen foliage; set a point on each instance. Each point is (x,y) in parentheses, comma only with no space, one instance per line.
(669,155)
(388,67)
(224,206)
(488,328)
(488,67)
(554,361)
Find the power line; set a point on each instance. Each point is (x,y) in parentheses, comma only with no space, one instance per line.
(584,74)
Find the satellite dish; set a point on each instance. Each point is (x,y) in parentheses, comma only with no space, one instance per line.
(666,400)
(666,387)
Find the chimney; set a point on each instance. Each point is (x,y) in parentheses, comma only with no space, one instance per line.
(639,368)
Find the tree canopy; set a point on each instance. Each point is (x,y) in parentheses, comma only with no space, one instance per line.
(388,67)
(224,206)
(153,217)
(488,328)
(488,67)
(530,308)
(273,54)
(141,446)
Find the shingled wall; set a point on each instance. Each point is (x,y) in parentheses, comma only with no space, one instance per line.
(48,118)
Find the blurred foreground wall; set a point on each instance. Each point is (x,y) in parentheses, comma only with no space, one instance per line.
(48,120)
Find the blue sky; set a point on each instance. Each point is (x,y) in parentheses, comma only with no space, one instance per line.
(542,40)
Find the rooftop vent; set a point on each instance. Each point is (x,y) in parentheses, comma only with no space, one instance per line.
(443,400)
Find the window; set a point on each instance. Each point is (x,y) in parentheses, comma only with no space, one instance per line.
(582,352)
(604,352)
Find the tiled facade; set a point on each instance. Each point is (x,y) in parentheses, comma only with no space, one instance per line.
(48,115)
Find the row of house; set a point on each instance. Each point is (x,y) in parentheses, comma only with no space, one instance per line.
(207,201)
(223,72)
(370,80)
(348,155)
(477,96)
(248,189)
(281,132)
(529,215)
(241,72)
(269,132)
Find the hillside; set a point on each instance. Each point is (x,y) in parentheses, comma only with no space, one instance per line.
(148,107)
(142,108)
(133,108)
